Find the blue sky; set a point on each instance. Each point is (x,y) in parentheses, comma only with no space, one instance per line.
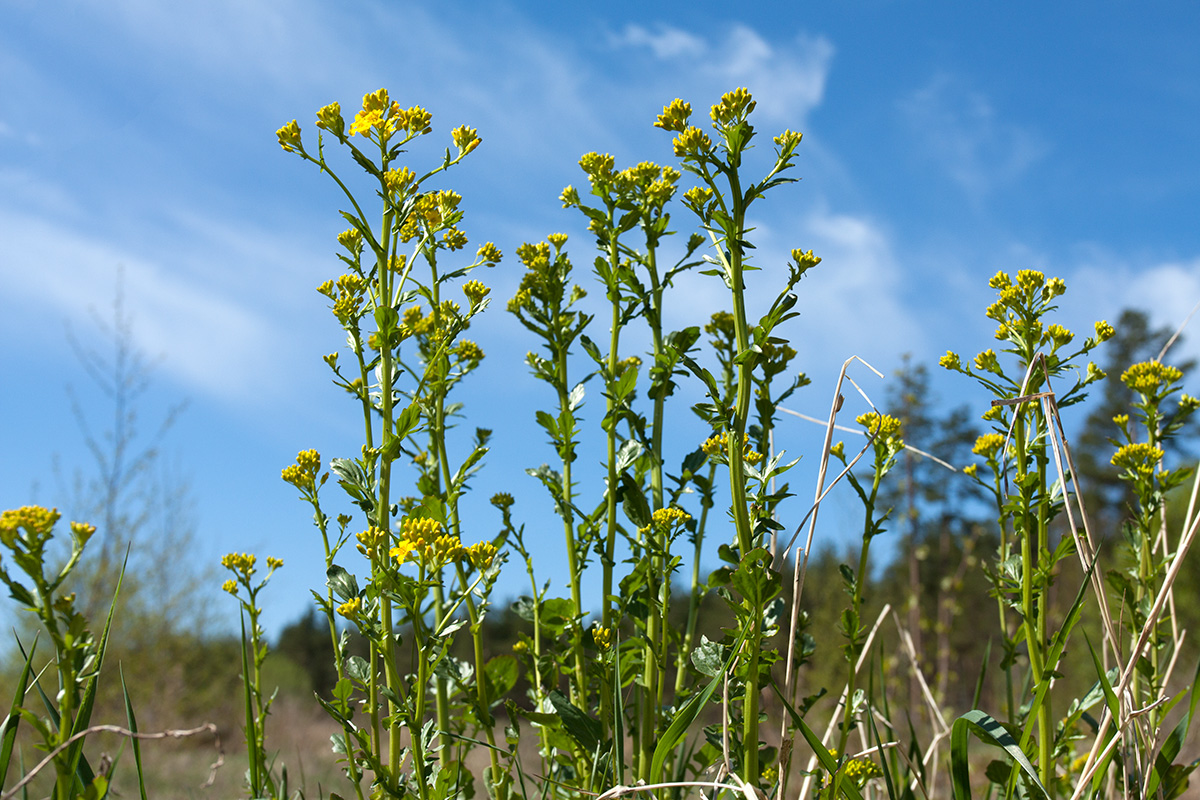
(942,142)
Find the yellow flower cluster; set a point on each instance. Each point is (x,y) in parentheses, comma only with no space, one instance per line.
(633,362)
(372,542)
(35,520)
(468,351)
(465,139)
(384,116)
(346,294)
(987,361)
(698,196)
(884,426)
(788,140)
(988,445)
(692,141)
(569,197)
(423,537)
(329,118)
(489,254)
(1149,377)
(951,361)
(598,168)
(557,240)
(303,474)
(734,107)
(603,637)
(351,609)
(481,555)
(1104,331)
(804,260)
(674,117)
(82,531)
(1060,336)
(721,323)
(289,137)
(240,563)
(717,446)
(351,239)
(1139,458)
(399,181)
(860,770)
(475,292)
(664,519)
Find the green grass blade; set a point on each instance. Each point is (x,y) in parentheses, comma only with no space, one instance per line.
(1174,741)
(988,731)
(684,718)
(1058,644)
(251,734)
(13,721)
(987,656)
(79,764)
(828,762)
(131,719)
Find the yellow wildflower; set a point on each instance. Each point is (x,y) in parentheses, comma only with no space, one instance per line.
(1150,376)
(465,139)
(489,254)
(674,117)
(289,137)
(1139,458)
(988,445)
(603,637)
(692,141)
(1104,331)
(884,426)
(734,107)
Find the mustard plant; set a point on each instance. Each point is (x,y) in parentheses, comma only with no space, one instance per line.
(260,777)
(404,329)
(721,202)
(1042,358)
(1139,460)
(27,534)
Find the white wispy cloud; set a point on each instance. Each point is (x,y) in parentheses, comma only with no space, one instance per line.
(787,77)
(960,130)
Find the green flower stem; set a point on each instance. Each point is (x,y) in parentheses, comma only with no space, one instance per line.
(579,684)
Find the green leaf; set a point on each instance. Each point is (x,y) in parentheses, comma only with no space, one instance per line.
(990,732)
(1171,747)
(343,584)
(131,719)
(9,735)
(579,725)
(633,501)
(499,677)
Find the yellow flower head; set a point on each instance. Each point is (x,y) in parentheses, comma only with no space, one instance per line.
(351,609)
(289,137)
(240,563)
(351,239)
(788,140)
(468,351)
(950,361)
(674,117)
(489,254)
(1139,458)
(230,586)
(82,531)
(569,197)
(481,555)
(1059,335)
(36,520)
(599,168)
(804,260)
(1104,331)
(465,139)
(475,292)
(698,196)
(399,181)
(1000,281)
(716,447)
(1030,279)
(884,426)
(988,445)
(557,240)
(692,141)
(1149,377)
(303,474)
(603,637)
(734,107)
(987,361)
(329,118)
